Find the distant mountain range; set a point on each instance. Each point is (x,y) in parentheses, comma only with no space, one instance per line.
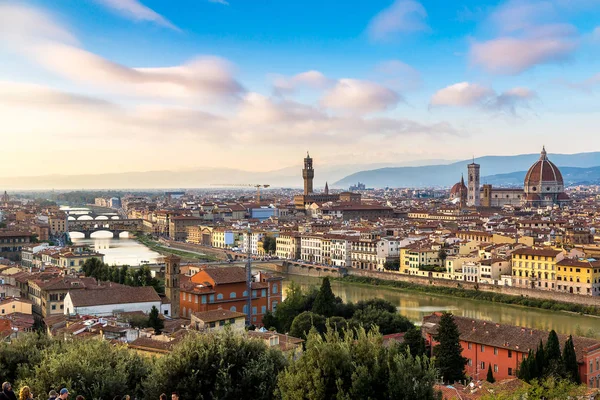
(196,178)
(497,170)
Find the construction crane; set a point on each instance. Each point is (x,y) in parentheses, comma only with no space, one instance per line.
(244,185)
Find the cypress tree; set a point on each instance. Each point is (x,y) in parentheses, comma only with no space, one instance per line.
(552,357)
(490,375)
(524,372)
(325,301)
(448,353)
(154,321)
(540,360)
(569,357)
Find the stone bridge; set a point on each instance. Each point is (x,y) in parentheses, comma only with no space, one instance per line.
(116,226)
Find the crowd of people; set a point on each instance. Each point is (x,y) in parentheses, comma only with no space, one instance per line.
(26,394)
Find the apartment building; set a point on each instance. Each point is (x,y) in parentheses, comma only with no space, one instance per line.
(288,245)
(535,268)
(578,276)
(311,248)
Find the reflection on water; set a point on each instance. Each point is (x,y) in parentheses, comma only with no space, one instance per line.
(122,251)
(414,305)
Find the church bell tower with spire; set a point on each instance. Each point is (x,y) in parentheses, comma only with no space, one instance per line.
(474,194)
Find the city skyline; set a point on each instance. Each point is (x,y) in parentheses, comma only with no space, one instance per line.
(119,86)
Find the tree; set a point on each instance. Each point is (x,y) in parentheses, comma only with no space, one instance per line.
(552,358)
(21,354)
(537,371)
(354,364)
(442,255)
(294,303)
(386,321)
(547,389)
(104,370)
(413,339)
(392,265)
(154,321)
(448,353)
(490,375)
(304,322)
(379,304)
(325,303)
(569,358)
(218,366)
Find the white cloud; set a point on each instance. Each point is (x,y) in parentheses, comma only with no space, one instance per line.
(224,2)
(403,16)
(203,78)
(136,11)
(529,33)
(311,79)
(465,94)
(355,95)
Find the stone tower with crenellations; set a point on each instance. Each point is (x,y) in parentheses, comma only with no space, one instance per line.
(308,173)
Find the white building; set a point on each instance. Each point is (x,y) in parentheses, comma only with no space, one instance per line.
(255,237)
(340,251)
(310,248)
(109,301)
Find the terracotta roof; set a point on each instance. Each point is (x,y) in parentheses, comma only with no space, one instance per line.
(542,171)
(224,275)
(528,251)
(217,315)
(117,295)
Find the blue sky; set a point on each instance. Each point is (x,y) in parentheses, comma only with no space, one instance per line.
(252,84)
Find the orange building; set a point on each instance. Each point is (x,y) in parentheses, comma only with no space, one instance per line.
(486,343)
(225,288)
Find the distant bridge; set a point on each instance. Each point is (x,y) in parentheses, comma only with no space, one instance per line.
(116,226)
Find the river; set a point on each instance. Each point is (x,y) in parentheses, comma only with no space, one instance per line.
(414,305)
(122,251)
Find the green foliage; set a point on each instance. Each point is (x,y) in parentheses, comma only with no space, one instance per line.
(154,320)
(92,368)
(325,303)
(355,365)
(393,265)
(269,244)
(304,322)
(553,364)
(548,389)
(386,321)
(414,340)
(124,275)
(16,357)
(479,295)
(448,353)
(490,375)
(219,366)
(569,358)
(379,304)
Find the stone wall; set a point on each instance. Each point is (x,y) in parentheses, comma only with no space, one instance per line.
(218,253)
(508,290)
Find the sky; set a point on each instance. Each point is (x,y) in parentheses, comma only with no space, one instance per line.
(104,86)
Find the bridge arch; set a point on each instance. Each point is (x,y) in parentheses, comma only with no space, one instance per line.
(77,235)
(101,234)
(85,218)
(101,218)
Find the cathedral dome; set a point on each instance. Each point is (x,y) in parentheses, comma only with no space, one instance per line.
(543,177)
(458,189)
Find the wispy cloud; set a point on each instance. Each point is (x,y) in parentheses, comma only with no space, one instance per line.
(530,33)
(359,96)
(224,2)
(311,79)
(136,11)
(466,94)
(403,16)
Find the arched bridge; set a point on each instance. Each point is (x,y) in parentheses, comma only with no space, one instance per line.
(116,226)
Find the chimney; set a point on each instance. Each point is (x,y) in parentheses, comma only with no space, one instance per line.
(497,325)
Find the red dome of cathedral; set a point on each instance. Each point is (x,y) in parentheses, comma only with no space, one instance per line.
(543,172)
(458,188)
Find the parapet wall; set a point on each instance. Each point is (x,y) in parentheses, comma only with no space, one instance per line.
(508,290)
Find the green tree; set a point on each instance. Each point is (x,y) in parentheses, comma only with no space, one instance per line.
(325,303)
(537,371)
(490,375)
(547,389)
(154,320)
(379,304)
(442,255)
(21,354)
(448,353)
(569,358)
(552,358)
(304,322)
(413,339)
(93,368)
(386,321)
(288,309)
(392,265)
(356,365)
(219,366)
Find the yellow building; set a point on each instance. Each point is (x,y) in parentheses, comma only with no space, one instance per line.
(578,276)
(15,305)
(535,268)
(288,245)
(57,223)
(200,234)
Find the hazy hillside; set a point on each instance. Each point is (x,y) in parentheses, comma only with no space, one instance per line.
(571,175)
(446,175)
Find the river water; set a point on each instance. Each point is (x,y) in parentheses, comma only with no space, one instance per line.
(414,305)
(122,251)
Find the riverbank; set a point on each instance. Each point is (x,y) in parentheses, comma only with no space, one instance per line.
(551,305)
(185,255)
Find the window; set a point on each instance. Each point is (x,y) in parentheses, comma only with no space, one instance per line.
(274,306)
(254,293)
(275,288)
(196,298)
(204,299)
(232,295)
(211,298)
(591,367)
(482,348)
(183,311)
(189,297)
(470,362)
(53,307)
(495,367)
(495,351)
(221,323)
(213,324)
(245,309)
(263,309)
(263,293)
(510,354)
(220,296)
(469,345)
(482,365)
(245,294)
(254,310)
(233,308)
(510,371)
